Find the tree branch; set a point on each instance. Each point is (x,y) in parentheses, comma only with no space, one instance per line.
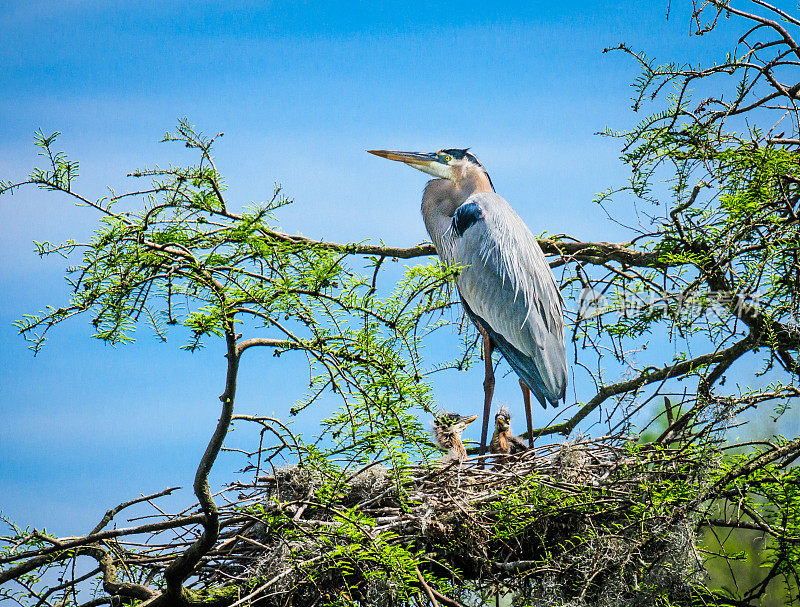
(648,377)
(182,567)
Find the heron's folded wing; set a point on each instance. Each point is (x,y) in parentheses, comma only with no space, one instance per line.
(508,285)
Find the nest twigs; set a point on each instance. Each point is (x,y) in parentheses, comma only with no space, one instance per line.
(575,521)
(570,513)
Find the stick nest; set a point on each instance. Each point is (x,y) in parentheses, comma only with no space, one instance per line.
(582,523)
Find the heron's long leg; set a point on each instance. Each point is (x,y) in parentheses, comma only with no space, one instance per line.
(488,386)
(526,396)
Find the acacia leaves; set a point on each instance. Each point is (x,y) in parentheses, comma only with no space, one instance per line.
(176,257)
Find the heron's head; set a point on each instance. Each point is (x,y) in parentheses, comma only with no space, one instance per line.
(502,421)
(450,424)
(452,163)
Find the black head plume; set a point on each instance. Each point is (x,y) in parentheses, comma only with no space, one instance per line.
(464,154)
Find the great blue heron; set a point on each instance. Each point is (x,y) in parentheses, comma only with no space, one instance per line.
(503,441)
(507,287)
(447,429)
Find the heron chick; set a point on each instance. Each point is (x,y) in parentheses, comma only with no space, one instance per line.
(447,429)
(503,441)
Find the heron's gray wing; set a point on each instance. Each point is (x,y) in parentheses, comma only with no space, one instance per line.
(508,288)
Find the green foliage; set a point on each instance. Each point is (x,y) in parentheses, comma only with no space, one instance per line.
(759,557)
(184,259)
(186,265)
(711,269)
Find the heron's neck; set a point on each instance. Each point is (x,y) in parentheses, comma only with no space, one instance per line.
(499,442)
(454,445)
(443,196)
(471,180)
(457,450)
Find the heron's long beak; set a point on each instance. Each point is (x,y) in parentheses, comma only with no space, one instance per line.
(470,419)
(407,157)
(427,163)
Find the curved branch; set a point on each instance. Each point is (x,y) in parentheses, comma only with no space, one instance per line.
(112,512)
(107,562)
(70,542)
(787,38)
(261,341)
(631,385)
(182,567)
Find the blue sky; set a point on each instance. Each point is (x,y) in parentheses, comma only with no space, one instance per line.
(301,90)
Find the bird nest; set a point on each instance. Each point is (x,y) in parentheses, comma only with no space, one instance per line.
(585,522)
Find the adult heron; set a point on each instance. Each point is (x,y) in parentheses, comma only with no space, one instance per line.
(506,286)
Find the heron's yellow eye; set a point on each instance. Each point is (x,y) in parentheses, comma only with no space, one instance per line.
(447,158)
